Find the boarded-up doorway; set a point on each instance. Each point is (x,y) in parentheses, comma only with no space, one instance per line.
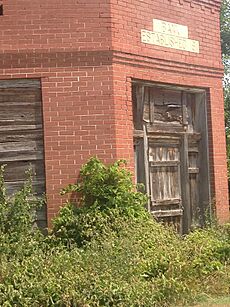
(171,152)
(21,135)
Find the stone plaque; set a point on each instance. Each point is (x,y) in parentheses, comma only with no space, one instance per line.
(170,28)
(170,35)
(169,41)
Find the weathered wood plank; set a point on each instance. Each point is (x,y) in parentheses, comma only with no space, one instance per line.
(23,156)
(139,161)
(167,202)
(38,186)
(6,103)
(187,218)
(203,158)
(20,117)
(24,83)
(138,106)
(151,107)
(193,170)
(160,164)
(167,213)
(21,135)
(17,170)
(20,127)
(30,145)
(164,96)
(146,163)
(165,127)
(16,98)
(138,134)
(157,139)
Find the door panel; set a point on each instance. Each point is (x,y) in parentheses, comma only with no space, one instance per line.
(165,184)
(170,134)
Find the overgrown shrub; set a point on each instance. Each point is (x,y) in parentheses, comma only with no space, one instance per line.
(146,265)
(106,195)
(18,211)
(131,260)
(107,187)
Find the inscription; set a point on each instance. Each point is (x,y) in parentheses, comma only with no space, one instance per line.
(170,35)
(170,28)
(169,41)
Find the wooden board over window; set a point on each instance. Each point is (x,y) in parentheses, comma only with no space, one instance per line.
(21,134)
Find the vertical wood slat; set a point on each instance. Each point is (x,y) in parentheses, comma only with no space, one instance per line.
(193,180)
(151,107)
(139,162)
(146,148)
(146,159)
(138,96)
(203,159)
(184,109)
(187,218)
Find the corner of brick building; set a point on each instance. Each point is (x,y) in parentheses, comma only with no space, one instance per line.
(86,56)
(137,61)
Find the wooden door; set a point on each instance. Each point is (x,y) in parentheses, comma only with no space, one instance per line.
(170,140)
(165,179)
(21,134)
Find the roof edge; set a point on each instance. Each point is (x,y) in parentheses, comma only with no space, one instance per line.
(213,4)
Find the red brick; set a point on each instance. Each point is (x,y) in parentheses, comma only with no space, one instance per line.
(86,59)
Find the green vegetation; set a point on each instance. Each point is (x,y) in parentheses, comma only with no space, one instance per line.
(214,302)
(225,44)
(225,27)
(106,250)
(107,195)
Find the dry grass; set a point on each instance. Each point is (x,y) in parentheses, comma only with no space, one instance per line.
(213,302)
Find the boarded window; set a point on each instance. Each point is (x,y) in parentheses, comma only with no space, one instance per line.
(21,134)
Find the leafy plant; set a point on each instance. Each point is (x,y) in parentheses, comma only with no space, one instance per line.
(17,212)
(146,264)
(106,195)
(106,186)
(225,44)
(131,259)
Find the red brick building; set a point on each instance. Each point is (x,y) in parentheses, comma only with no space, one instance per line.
(82,78)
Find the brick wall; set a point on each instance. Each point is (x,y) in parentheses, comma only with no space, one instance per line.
(78,123)
(201,17)
(64,43)
(136,60)
(86,54)
(55,24)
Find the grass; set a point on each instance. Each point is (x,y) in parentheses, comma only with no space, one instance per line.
(206,301)
(107,252)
